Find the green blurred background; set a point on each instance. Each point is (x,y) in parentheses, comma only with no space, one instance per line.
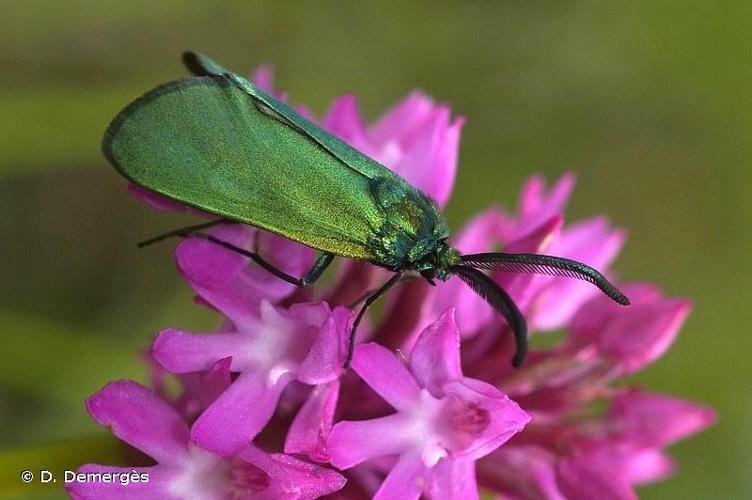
(649,102)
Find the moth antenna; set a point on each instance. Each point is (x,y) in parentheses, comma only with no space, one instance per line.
(502,302)
(544,264)
(201,65)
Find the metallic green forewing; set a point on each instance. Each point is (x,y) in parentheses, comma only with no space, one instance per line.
(220,144)
(201,64)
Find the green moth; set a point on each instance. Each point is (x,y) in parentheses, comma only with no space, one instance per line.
(219,143)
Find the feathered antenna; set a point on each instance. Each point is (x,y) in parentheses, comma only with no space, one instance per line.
(544,264)
(502,302)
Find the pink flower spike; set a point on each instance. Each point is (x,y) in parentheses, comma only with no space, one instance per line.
(406,422)
(185,470)
(440,414)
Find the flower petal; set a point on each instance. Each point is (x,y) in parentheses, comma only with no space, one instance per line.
(656,420)
(579,479)
(183,352)
(239,414)
(632,337)
(290,478)
(351,443)
(505,418)
(537,205)
(453,479)
(522,286)
(405,480)
(381,370)
(313,423)
(445,163)
(326,356)
(435,358)
(140,418)
(201,389)
(634,465)
(402,120)
(217,380)
(284,254)
(592,318)
(263,78)
(520,471)
(430,163)
(343,120)
(207,264)
(647,466)
(230,282)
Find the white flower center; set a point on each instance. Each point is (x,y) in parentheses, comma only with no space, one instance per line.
(439,427)
(206,476)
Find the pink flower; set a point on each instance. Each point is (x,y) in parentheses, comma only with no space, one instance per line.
(269,348)
(442,417)
(185,470)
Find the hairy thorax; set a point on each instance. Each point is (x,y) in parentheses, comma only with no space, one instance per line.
(413,234)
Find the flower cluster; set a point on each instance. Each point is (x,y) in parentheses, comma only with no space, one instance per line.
(265,409)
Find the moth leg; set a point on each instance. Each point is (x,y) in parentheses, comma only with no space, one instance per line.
(404,277)
(318,267)
(369,301)
(184,231)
